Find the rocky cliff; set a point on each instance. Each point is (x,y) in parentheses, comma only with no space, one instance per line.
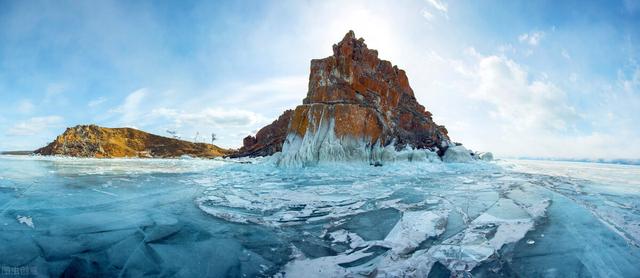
(101,142)
(268,140)
(358,107)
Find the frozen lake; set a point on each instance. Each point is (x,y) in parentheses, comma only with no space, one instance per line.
(207,218)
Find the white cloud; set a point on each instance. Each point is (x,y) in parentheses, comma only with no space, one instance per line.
(35,126)
(528,52)
(630,84)
(526,104)
(565,54)
(56,88)
(232,110)
(278,84)
(54,94)
(427,15)
(25,106)
(573,77)
(493,103)
(96,102)
(286,91)
(438,5)
(230,125)
(189,116)
(210,117)
(131,109)
(533,38)
(506,48)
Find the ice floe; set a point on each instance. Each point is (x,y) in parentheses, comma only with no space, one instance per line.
(413,228)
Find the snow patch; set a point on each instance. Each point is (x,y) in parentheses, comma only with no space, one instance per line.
(27,220)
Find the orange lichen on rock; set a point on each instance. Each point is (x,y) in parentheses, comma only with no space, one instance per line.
(101,142)
(364,98)
(357,121)
(348,120)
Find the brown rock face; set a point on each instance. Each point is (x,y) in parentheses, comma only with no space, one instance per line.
(268,140)
(101,142)
(356,105)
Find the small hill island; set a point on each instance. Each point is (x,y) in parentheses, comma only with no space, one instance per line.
(102,142)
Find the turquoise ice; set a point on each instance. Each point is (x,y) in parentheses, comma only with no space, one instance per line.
(222,218)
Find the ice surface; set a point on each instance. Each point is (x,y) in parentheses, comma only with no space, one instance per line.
(344,236)
(219,218)
(413,228)
(609,191)
(457,154)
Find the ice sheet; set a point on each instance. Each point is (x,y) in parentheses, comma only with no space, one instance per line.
(190,218)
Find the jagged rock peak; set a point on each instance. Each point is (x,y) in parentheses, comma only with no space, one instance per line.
(349,44)
(357,107)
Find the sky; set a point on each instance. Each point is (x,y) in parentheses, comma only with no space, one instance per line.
(555,79)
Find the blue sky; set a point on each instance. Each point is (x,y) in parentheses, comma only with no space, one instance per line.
(519,78)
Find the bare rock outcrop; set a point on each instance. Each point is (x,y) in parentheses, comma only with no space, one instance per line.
(102,142)
(357,106)
(268,140)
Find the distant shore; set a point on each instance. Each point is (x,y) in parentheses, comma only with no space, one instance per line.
(585,160)
(17,152)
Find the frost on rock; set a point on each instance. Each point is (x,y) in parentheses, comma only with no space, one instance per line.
(486,156)
(410,154)
(457,154)
(324,146)
(321,144)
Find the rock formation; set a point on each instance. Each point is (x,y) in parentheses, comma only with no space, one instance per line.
(358,107)
(101,142)
(268,140)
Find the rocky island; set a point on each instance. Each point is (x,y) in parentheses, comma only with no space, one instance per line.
(358,107)
(102,142)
